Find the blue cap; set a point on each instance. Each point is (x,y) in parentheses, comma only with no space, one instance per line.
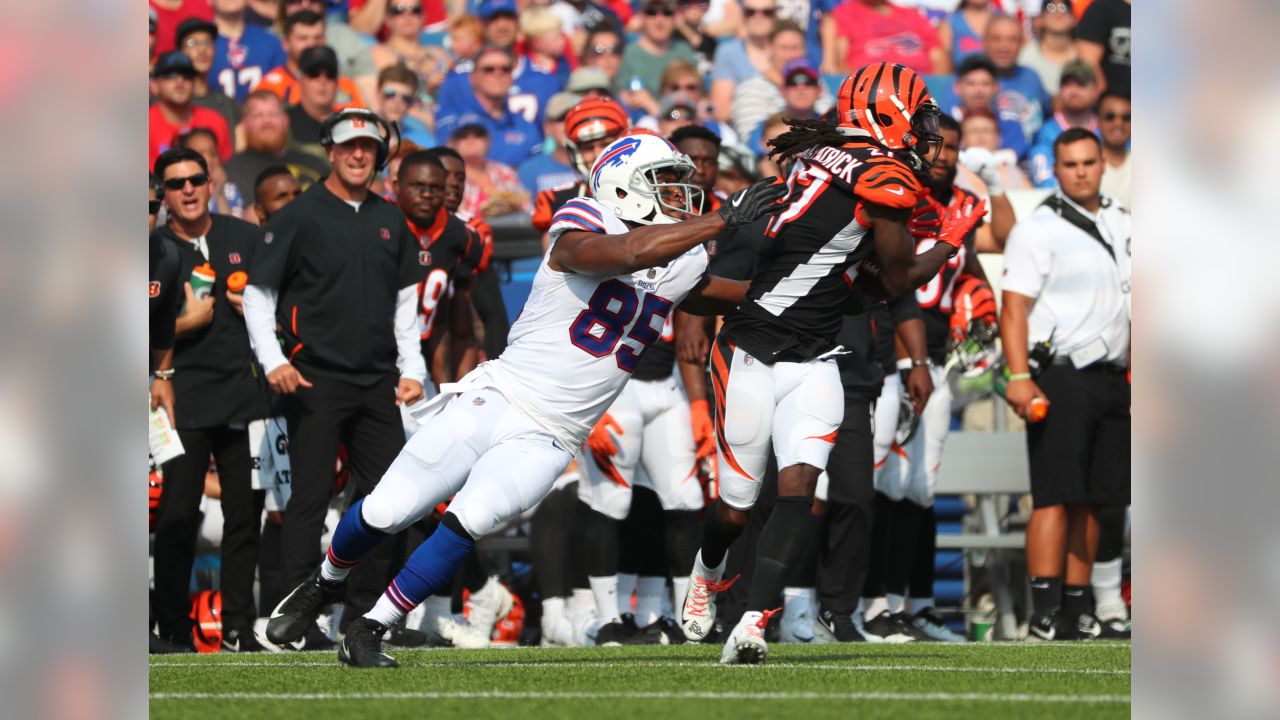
(489,8)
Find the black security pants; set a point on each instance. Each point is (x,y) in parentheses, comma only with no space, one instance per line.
(178,522)
(365,419)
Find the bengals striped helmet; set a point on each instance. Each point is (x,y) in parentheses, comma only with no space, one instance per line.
(973,322)
(891,105)
(590,126)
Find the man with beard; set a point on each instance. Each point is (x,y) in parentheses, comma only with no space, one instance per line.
(266,134)
(338,272)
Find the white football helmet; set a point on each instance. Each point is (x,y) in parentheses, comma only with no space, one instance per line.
(625,179)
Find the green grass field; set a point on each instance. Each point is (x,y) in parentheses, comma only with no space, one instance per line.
(980,680)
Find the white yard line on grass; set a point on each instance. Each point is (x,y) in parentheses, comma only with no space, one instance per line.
(640,695)
(670,665)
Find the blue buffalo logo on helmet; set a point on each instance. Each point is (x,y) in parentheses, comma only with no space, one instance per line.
(615,156)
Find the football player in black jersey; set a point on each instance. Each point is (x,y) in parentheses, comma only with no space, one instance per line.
(852,190)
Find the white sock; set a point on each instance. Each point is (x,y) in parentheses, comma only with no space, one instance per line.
(626,588)
(332,572)
(582,602)
(552,609)
(1106,580)
(919,605)
(649,592)
(710,573)
(875,607)
(605,590)
(896,603)
(385,611)
(679,586)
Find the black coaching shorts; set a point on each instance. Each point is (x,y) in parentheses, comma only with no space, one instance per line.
(1081,452)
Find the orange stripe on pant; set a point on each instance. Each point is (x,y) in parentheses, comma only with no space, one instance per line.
(720,378)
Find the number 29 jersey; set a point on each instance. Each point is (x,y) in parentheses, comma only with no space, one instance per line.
(579,337)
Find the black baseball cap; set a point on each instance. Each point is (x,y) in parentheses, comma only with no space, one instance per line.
(174,63)
(190,26)
(318,56)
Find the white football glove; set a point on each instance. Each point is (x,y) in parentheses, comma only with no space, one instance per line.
(981,162)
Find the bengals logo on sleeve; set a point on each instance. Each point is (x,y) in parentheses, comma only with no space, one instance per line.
(889,183)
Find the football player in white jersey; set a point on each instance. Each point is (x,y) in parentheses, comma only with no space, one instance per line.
(497,440)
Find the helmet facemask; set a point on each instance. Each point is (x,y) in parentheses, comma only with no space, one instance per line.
(924,140)
(667,182)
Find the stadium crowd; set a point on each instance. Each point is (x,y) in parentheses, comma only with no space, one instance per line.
(307,338)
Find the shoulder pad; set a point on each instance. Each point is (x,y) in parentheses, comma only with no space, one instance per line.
(886,181)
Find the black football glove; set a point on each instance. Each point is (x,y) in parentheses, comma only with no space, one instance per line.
(751,204)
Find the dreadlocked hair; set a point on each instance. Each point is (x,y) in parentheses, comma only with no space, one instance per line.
(803,135)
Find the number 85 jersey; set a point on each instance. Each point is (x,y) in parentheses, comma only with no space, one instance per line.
(579,337)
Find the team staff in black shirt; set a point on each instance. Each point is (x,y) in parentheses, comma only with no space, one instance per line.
(339,273)
(217,391)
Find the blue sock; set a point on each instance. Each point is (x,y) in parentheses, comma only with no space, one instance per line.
(352,540)
(430,568)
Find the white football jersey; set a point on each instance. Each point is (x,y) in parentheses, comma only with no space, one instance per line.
(579,337)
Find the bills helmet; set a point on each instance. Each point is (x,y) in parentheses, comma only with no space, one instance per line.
(641,176)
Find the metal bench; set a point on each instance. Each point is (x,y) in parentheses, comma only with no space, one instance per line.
(987,465)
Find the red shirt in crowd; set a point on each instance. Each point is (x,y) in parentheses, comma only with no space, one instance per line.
(433,11)
(161,134)
(901,35)
(167,21)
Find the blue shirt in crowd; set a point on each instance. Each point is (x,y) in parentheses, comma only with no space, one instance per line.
(1022,98)
(512,139)
(530,90)
(543,172)
(238,65)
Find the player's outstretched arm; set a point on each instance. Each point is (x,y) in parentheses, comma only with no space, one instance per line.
(714,295)
(653,245)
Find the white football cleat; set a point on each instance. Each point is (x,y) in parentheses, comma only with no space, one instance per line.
(797,621)
(488,605)
(698,612)
(746,645)
(558,632)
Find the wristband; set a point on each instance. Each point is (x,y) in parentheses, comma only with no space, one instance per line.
(925,363)
(904,363)
(1019,376)
(163,374)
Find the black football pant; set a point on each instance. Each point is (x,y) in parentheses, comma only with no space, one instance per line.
(367,421)
(178,523)
(846,527)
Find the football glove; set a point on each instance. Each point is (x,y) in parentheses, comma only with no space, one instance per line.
(752,203)
(958,221)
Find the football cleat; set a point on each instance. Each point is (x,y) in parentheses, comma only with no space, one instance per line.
(160,646)
(698,612)
(486,606)
(746,645)
(904,622)
(402,636)
(297,612)
(841,626)
(618,632)
(886,628)
(1049,627)
(928,622)
(241,641)
(362,645)
(797,622)
(1115,629)
(557,632)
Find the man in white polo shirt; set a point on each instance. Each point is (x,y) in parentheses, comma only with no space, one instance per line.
(1065,325)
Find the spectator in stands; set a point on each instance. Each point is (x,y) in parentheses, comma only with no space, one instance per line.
(1115,116)
(545,45)
(981,129)
(976,88)
(689,29)
(501,22)
(317,96)
(677,111)
(353,59)
(601,51)
(169,14)
(1076,102)
(639,80)
(304,30)
(403,43)
(801,89)
(493,188)
(466,37)
(1103,41)
(490,84)
(151,39)
(773,126)
(1053,46)
(551,167)
(1022,97)
(225,197)
(761,96)
(682,78)
(398,101)
(266,140)
(196,39)
(737,169)
(739,59)
(860,32)
(243,53)
(962,32)
(593,16)
(173,84)
(1076,245)
(371,16)
(274,188)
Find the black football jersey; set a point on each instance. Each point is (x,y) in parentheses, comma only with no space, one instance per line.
(549,201)
(934,297)
(794,309)
(450,251)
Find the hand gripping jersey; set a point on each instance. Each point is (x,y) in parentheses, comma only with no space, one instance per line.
(579,338)
(793,309)
(934,296)
(450,251)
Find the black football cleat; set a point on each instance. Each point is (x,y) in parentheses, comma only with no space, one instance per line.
(241,641)
(622,631)
(362,645)
(1115,629)
(297,612)
(841,626)
(402,635)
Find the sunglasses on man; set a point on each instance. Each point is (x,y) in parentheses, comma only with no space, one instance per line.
(766,12)
(495,69)
(178,183)
(1110,117)
(604,50)
(656,10)
(391,94)
(321,72)
(398,10)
